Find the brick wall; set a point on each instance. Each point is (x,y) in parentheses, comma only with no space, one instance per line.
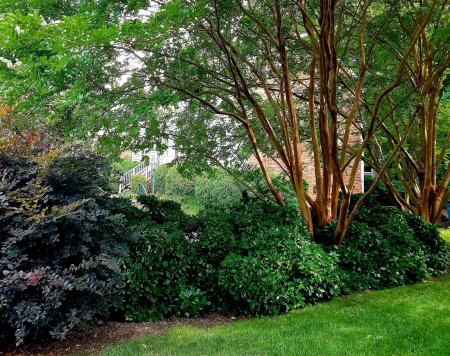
(308,170)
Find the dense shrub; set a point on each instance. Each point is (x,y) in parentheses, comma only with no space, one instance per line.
(273,280)
(158,270)
(262,265)
(61,248)
(254,257)
(160,179)
(217,189)
(436,251)
(234,260)
(161,262)
(135,181)
(167,212)
(256,285)
(386,247)
(178,186)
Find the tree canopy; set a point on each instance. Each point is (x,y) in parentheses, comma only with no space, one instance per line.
(230,79)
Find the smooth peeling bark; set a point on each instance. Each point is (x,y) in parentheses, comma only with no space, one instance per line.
(297,156)
(418,165)
(276,194)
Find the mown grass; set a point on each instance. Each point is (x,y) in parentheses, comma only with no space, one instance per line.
(124,165)
(409,320)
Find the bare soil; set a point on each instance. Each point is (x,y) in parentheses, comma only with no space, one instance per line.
(102,336)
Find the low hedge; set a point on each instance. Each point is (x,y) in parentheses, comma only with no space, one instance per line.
(242,244)
(161,262)
(256,258)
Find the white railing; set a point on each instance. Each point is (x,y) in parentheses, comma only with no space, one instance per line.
(144,168)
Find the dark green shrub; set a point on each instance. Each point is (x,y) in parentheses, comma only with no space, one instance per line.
(61,248)
(255,285)
(436,251)
(281,268)
(135,181)
(193,302)
(124,207)
(167,212)
(386,247)
(279,278)
(161,263)
(180,265)
(158,267)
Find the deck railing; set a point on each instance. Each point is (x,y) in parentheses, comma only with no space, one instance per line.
(144,168)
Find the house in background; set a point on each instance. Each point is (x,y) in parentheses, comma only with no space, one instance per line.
(149,161)
(166,157)
(309,171)
(308,168)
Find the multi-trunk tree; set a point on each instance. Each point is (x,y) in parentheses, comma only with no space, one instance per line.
(272,75)
(413,180)
(280,68)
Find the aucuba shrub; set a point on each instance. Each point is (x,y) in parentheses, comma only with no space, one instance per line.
(161,263)
(435,248)
(272,281)
(61,248)
(386,247)
(258,259)
(251,258)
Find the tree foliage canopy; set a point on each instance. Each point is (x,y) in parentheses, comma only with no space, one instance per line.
(227,79)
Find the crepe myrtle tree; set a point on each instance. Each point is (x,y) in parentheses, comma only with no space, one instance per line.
(282,68)
(421,167)
(277,74)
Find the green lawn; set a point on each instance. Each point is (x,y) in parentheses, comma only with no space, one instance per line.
(124,165)
(411,320)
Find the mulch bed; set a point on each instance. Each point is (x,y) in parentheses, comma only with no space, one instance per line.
(109,334)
